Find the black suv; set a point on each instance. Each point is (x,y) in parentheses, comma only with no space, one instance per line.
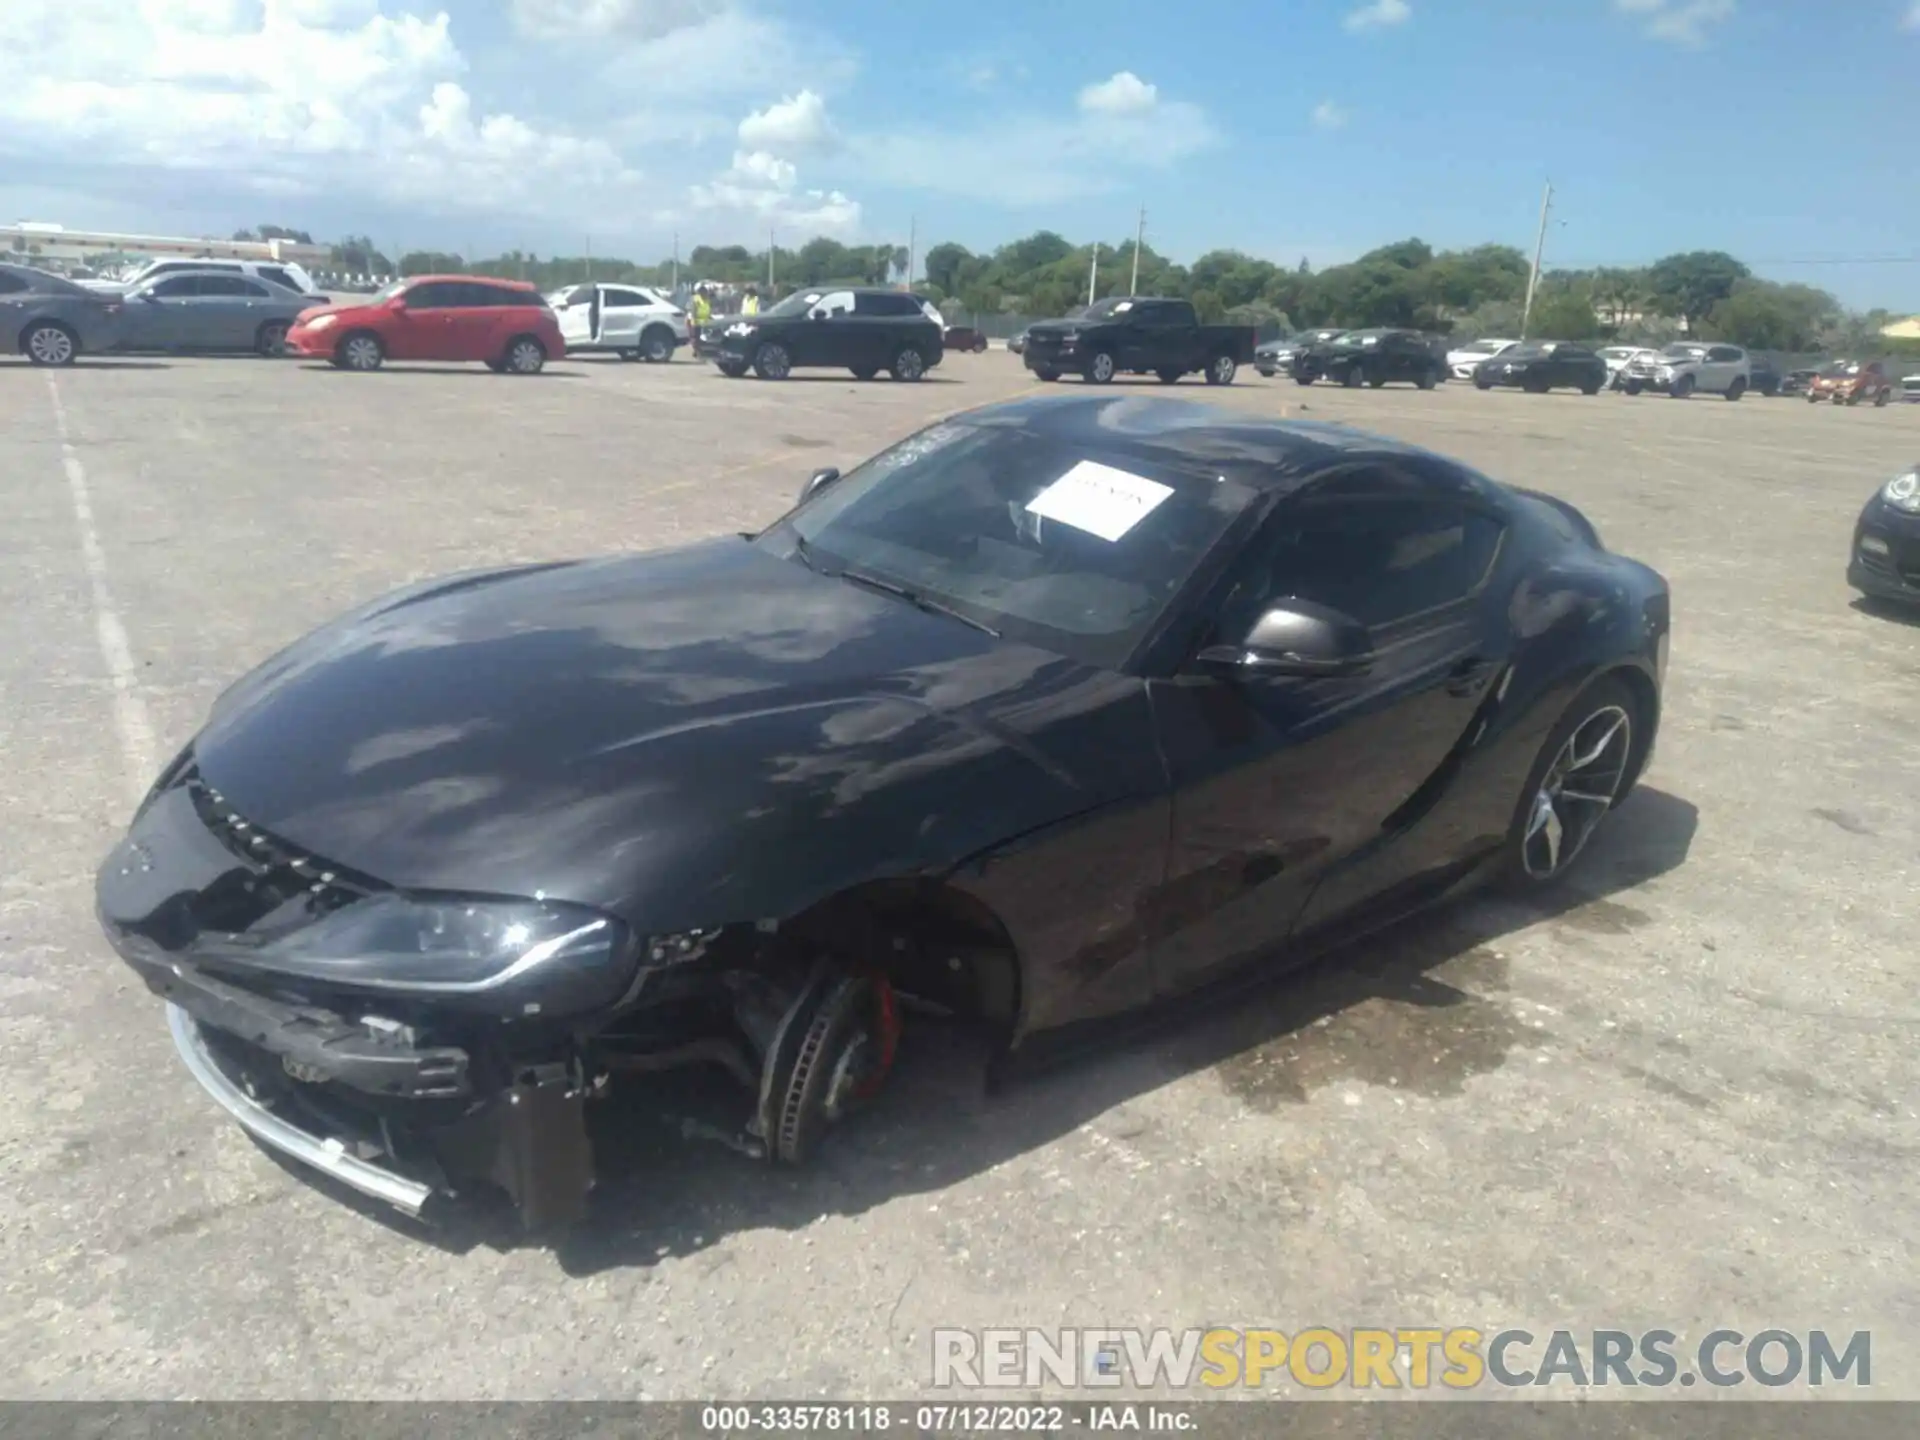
(1371,357)
(863,330)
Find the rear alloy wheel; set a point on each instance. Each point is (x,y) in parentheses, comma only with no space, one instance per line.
(1222,370)
(980,345)
(272,339)
(908,366)
(1428,379)
(1578,778)
(526,356)
(1737,389)
(1682,388)
(49,344)
(656,346)
(1100,367)
(362,352)
(1482,382)
(1356,377)
(772,362)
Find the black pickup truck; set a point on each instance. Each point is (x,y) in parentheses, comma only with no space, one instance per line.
(1136,335)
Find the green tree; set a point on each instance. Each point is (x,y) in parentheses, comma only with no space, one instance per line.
(1691,284)
(431,262)
(943,265)
(1764,316)
(1565,313)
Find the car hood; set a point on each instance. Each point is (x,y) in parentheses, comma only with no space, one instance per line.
(686,738)
(1058,327)
(344,309)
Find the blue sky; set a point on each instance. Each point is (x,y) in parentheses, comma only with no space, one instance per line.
(1316,128)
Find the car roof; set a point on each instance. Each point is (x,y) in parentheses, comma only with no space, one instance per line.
(482,280)
(1271,453)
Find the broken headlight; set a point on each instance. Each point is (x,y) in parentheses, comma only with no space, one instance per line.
(1903,492)
(558,956)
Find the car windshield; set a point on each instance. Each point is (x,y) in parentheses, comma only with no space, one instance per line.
(387,292)
(1618,352)
(1072,549)
(1483,347)
(1684,352)
(1842,367)
(1101,309)
(797,303)
(1527,349)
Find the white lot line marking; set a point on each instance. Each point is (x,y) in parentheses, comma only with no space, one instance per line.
(130,718)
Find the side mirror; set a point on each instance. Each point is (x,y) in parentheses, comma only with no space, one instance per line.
(817,482)
(1297,637)
(398,305)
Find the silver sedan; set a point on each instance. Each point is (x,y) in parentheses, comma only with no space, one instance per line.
(211,310)
(51,320)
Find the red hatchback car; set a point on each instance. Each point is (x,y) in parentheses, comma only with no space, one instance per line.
(504,324)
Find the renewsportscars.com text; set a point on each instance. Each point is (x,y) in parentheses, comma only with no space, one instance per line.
(1414,1357)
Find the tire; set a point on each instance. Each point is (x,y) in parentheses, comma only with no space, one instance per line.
(772,362)
(48,343)
(1737,389)
(656,345)
(1428,379)
(864,372)
(1812,399)
(1480,382)
(1100,368)
(909,366)
(1682,388)
(524,355)
(1170,377)
(360,351)
(1536,387)
(1603,724)
(980,345)
(732,369)
(1374,382)
(1853,400)
(1222,369)
(1303,379)
(1882,398)
(1634,387)
(1048,375)
(497,365)
(271,339)
(1355,377)
(1592,387)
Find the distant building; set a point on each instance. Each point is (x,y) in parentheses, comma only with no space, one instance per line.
(1908,329)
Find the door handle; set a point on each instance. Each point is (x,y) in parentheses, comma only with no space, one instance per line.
(1470,676)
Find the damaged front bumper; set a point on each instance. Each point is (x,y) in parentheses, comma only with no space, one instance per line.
(332,1155)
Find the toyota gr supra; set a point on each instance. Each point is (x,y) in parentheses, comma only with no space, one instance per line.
(1051,711)
(1886,542)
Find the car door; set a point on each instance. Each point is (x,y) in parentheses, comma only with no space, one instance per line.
(13,304)
(623,314)
(224,310)
(156,313)
(1290,792)
(1140,333)
(831,334)
(575,313)
(1719,368)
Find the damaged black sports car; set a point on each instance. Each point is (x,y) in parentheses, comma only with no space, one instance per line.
(1054,710)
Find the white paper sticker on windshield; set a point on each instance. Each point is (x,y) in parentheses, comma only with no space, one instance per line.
(1099,499)
(1123,307)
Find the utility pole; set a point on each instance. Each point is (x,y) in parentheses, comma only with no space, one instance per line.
(1539,247)
(1093,272)
(1139,235)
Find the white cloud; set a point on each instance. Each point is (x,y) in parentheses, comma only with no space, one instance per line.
(1328,116)
(1034,158)
(1123,94)
(793,126)
(1679,22)
(1379,15)
(759,192)
(286,98)
(600,19)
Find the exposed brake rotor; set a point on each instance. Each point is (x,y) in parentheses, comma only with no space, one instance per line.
(833,1053)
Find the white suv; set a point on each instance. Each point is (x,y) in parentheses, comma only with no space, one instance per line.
(635,322)
(285,274)
(1689,365)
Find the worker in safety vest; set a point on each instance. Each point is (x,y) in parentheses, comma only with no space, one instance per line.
(702,307)
(751,304)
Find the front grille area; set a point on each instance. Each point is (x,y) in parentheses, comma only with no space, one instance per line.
(281,885)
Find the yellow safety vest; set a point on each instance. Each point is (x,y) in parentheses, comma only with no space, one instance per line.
(702,311)
(751,306)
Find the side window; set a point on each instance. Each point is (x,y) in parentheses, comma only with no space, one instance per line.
(225,286)
(177,288)
(435,296)
(1572,352)
(471,296)
(277,275)
(878,302)
(1381,561)
(835,303)
(11,284)
(625,299)
(256,290)
(1721,354)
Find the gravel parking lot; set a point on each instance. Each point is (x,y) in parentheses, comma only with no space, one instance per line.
(1684,1097)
